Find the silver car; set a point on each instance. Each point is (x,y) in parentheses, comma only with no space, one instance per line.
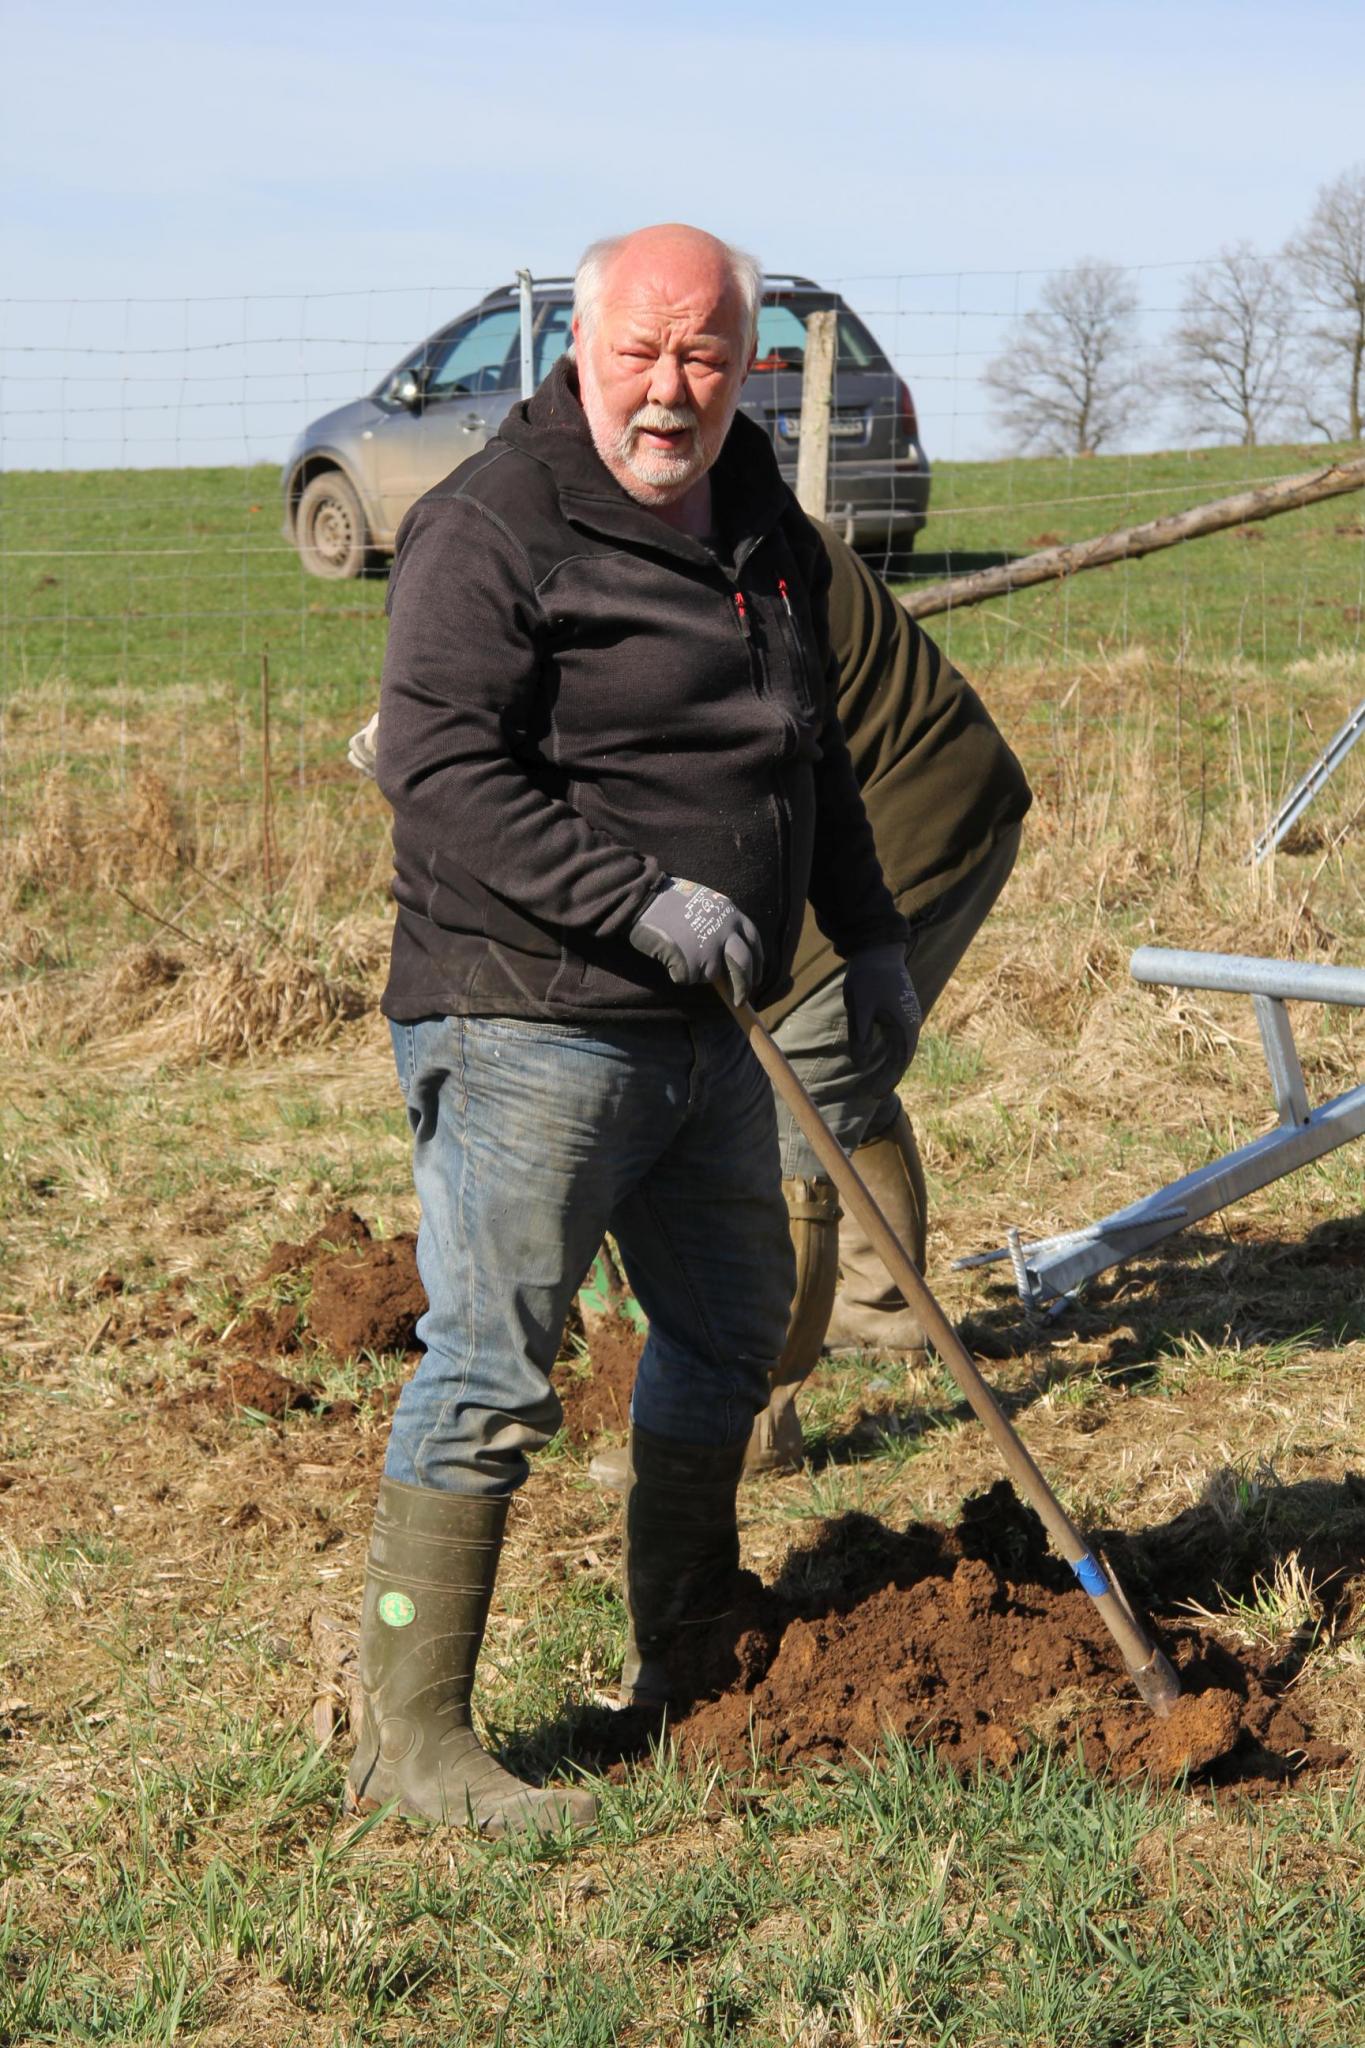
(352,474)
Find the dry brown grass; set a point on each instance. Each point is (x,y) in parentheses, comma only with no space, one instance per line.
(214,1001)
(140,1145)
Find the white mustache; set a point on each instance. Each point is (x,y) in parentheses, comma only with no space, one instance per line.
(662,419)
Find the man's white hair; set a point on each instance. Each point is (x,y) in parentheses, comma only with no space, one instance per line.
(746,272)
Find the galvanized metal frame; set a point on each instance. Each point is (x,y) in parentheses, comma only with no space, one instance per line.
(1308,785)
(1051,1269)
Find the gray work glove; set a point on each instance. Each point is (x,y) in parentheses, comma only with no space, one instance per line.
(883,1012)
(699,934)
(360,751)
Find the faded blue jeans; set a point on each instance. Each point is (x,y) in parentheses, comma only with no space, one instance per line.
(530,1141)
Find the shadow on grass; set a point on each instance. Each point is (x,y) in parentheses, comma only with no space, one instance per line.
(1242,1585)
(925,568)
(1207,1300)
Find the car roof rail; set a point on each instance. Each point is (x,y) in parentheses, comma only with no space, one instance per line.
(504,291)
(772,280)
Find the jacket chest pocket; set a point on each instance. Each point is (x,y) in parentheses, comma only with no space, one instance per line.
(795,642)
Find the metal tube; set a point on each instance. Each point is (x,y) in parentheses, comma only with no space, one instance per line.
(528,375)
(1241,974)
(1307,787)
(1282,1058)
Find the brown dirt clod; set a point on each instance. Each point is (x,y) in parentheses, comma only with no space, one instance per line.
(247,1384)
(600,1399)
(341,1229)
(368,1299)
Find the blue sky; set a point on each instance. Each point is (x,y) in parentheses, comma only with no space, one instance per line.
(236,163)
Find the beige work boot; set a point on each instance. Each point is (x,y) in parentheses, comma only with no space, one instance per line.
(813,1218)
(680,1554)
(870,1312)
(428,1584)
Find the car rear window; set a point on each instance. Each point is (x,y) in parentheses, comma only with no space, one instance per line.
(782,341)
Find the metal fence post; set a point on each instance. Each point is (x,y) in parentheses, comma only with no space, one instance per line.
(527,316)
(817,387)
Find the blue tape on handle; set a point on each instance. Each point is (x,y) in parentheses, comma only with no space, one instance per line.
(1091,1575)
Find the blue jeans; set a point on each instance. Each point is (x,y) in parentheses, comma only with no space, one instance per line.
(530,1141)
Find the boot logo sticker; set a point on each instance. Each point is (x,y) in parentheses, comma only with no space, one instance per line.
(396,1609)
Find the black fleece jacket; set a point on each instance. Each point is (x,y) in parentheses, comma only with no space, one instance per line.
(578,701)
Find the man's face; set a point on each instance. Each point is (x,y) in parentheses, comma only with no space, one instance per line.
(660,368)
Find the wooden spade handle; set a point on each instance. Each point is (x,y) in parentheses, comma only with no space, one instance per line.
(1146,1665)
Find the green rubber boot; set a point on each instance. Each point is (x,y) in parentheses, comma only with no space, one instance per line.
(680,1554)
(433,1560)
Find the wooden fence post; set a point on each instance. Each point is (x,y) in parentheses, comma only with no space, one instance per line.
(817,390)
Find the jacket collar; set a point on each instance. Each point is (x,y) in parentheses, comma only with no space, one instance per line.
(747,492)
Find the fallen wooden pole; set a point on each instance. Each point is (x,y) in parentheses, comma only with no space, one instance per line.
(1286,494)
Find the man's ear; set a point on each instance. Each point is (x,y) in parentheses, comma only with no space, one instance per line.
(576,330)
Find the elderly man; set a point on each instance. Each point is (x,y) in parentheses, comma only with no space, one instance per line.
(608,735)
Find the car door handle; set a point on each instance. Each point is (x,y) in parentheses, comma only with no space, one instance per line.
(472,421)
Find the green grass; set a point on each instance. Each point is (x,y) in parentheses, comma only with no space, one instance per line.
(172,580)
(174,1865)
(893,1904)
(1270,593)
(127,580)
(136,608)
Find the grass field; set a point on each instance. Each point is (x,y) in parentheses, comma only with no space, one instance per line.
(192,1069)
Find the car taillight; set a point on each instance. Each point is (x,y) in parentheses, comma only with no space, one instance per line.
(905,411)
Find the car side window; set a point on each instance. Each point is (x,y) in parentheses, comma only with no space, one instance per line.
(552,338)
(782,341)
(480,355)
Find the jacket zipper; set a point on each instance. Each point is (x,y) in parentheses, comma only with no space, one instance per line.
(805,695)
(781,816)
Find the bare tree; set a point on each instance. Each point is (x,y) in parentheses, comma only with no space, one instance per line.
(1233,346)
(1066,380)
(1328,257)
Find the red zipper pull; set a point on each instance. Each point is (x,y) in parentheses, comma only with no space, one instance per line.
(742,609)
(782,587)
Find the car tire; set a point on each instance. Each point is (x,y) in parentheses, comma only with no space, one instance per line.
(329,529)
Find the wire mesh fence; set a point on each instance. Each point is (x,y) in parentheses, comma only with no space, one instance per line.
(156,607)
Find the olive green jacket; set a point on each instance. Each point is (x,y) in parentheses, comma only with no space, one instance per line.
(939,782)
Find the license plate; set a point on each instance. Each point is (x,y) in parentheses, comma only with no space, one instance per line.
(842,426)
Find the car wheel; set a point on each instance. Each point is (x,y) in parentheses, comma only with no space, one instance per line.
(329,528)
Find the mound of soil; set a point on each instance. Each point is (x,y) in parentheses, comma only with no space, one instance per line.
(246,1383)
(978,1641)
(365,1293)
(342,1230)
(599,1398)
(368,1299)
